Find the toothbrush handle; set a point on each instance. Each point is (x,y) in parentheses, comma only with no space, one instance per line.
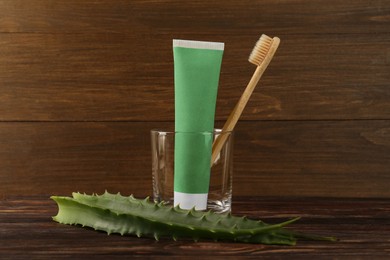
(237,111)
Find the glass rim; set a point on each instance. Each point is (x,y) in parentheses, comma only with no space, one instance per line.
(216,131)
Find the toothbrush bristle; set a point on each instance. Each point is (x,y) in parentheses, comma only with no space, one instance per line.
(260,50)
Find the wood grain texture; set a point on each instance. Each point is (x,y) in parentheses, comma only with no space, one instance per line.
(99,77)
(212,18)
(27,231)
(83,82)
(114,62)
(296,158)
(323,158)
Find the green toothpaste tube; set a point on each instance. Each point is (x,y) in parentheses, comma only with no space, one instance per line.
(197,66)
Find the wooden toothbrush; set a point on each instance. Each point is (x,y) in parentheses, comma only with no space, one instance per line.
(261,56)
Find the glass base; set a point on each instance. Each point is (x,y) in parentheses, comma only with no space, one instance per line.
(217,206)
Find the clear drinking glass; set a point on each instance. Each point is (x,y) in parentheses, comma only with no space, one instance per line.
(220,189)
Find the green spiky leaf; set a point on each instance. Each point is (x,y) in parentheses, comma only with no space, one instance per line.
(114,213)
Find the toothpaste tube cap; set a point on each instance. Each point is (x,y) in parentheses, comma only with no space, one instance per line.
(190,201)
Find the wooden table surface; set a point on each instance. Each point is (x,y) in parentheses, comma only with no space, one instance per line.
(362,225)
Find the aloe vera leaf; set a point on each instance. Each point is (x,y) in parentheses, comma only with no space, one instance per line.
(126,215)
(122,204)
(114,213)
(73,212)
(147,209)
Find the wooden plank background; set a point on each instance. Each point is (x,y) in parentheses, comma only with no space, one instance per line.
(83,82)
